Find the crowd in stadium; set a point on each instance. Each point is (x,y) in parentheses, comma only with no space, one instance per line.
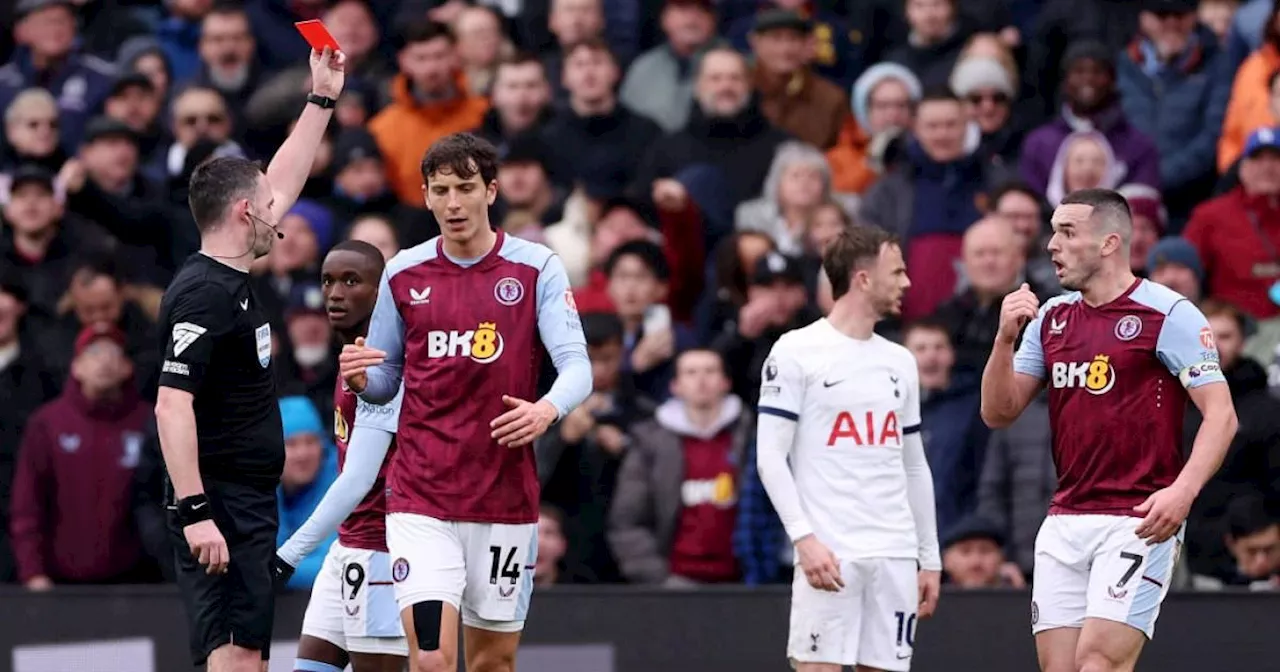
(689,155)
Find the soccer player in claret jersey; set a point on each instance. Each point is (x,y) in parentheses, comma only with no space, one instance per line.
(463,320)
(1120,356)
(352,616)
(843,404)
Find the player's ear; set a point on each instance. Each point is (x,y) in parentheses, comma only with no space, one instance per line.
(491,192)
(425,201)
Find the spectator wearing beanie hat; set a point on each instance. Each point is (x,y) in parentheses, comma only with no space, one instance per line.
(988,91)
(1150,220)
(1174,263)
(360,188)
(883,103)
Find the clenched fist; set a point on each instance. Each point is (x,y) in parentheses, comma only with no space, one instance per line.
(1019,308)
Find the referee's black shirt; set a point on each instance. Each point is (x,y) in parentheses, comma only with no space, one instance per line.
(218,347)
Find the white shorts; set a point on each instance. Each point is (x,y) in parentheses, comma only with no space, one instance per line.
(485,570)
(353,603)
(1095,566)
(871,621)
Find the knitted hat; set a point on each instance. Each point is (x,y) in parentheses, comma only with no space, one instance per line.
(869,80)
(1175,250)
(980,72)
(1091,50)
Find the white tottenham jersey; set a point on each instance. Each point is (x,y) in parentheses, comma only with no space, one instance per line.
(854,402)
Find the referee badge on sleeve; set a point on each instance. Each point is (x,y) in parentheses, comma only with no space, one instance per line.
(263,337)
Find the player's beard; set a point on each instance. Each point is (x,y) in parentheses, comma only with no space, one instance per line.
(887,305)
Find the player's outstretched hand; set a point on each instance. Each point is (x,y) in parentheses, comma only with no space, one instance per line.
(208,546)
(327,72)
(1018,308)
(1165,510)
(353,361)
(522,424)
(930,583)
(820,565)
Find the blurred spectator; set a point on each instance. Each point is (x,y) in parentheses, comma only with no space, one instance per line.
(973,557)
(594,137)
(135,102)
(1085,161)
(729,275)
(40,242)
(48,57)
(931,199)
(792,96)
(1251,467)
(777,302)
(934,43)
(149,504)
(96,299)
(1091,104)
(179,36)
(29,383)
(840,53)
(989,90)
(1248,30)
(481,46)
(1252,98)
(279,43)
(552,547)
(578,462)
(1174,263)
(357,32)
(1061,27)
(430,101)
(360,188)
(659,84)
(31,131)
(521,98)
(310,467)
(1174,86)
(884,100)
(1150,220)
(199,116)
(799,183)
(146,56)
(639,278)
(954,438)
(675,509)
(1217,15)
(726,129)
(619,220)
(571,22)
(295,259)
(1018,480)
(1024,210)
(227,60)
(1253,538)
(1238,234)
(378,231)
(524,182)
(71,516)
(312,371)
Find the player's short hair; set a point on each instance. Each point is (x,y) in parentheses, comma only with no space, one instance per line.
(363,249)
(854,249)
(1249,515)
(926,324)
(216,184)
(601,329)
(595,44)
(417,31)
(649,254)
(1110,210)
(463,155)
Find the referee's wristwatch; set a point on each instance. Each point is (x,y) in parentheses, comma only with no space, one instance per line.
(192,510)
(324,102)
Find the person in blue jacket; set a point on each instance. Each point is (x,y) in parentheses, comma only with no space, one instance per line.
(310,467)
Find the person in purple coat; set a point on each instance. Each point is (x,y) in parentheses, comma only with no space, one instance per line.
(1092,104)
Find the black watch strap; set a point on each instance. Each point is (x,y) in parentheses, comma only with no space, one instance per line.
(323,101)
(193,509)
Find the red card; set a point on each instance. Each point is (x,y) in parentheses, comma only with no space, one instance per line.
(317,35)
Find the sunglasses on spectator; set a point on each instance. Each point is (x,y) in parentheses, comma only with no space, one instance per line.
(997,97)
(210,118)
(49,122)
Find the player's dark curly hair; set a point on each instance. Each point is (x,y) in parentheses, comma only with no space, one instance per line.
(463,155)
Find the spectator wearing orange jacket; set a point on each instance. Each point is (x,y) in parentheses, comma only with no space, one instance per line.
(1250,106)
(429,101)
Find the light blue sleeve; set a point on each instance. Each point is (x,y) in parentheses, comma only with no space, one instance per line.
(561,333)
(1029,359)
(385,417)
(386,333)
(1186,346)
(365,453)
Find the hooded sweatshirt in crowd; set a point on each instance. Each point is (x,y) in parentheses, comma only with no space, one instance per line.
(300,417)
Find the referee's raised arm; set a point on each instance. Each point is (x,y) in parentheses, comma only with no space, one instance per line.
(217,413)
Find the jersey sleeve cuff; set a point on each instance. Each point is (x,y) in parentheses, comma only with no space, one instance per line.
(799,531)
(778,413)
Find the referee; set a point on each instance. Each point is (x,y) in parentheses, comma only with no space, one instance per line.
(217,415)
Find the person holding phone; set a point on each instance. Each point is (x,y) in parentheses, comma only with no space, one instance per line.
(638,275)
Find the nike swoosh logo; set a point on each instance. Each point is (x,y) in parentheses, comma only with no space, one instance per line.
(831,384)
(196,507)
(893,379)
(902,657)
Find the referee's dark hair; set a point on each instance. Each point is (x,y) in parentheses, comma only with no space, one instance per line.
(363,249)
(218,183)
(463,155)
(853,250)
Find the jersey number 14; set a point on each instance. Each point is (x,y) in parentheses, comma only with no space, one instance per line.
(500,568)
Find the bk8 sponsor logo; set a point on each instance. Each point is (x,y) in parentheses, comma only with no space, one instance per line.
(482,344)
(1095,377)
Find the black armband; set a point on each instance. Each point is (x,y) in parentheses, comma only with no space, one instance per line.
(193,509)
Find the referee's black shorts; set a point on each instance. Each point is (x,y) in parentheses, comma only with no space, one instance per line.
(237,607)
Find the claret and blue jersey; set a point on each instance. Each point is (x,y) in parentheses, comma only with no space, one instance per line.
(461,334)
(1117,376)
